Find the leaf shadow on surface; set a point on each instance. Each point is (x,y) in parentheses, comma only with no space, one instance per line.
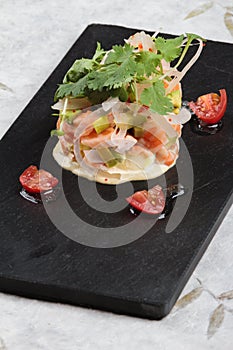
(215,320)
(5,87)
(228,20)
(200,10)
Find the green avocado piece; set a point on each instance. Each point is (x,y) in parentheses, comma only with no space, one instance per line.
(101,124)
(84,147)
(138,119)
(133,120)
(138,132)
(109,156)
(175,96)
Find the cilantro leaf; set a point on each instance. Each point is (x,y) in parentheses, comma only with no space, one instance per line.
(147,63)
(119,54)
(119,69)
(97,79)
(169,48)
(192,37)
(120,72)
(62,91)
(99,53)
(119,75)
(78,70)
(112,76)
(155,98)
(72,89)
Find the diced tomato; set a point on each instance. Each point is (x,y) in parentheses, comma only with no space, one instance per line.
(36,181)
(211,107)
(140,196)
(150,202)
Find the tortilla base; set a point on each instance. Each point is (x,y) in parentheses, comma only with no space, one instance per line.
(112,177)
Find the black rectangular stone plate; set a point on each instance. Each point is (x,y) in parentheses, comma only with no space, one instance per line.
(142,278)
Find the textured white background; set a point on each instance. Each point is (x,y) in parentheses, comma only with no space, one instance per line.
(34,36)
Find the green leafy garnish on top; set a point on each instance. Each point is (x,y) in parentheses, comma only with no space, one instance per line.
(128,72)
(170,49)
(154,97)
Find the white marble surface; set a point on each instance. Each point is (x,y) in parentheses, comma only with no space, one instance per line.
(34,36)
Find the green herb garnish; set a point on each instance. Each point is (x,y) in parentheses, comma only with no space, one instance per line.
(116,73)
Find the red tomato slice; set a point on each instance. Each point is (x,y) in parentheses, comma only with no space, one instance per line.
(36,181)
(210,108)
(150,202)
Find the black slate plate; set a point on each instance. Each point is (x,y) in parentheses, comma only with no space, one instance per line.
(142,278)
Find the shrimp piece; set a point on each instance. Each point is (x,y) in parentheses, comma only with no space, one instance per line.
(156,132)
(167,156)
(93,139)
(65,145)
(177,128)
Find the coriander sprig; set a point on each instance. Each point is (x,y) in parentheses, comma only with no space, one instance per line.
(119,72)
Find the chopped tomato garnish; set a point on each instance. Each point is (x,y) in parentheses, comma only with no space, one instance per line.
(150,202)
(36,181)
(140,196)
(210,108)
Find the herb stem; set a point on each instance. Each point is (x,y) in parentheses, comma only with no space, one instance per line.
(135,90)
(183,52)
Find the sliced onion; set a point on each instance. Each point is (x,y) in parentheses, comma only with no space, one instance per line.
(65,145)
(178,77)
(141,40)
(166,65)
(92,156)
(126,144)
(162,123)
(119,111)
(122,142)
(118,135)
(181,118)
(73,103)
(109,103)
(140,157)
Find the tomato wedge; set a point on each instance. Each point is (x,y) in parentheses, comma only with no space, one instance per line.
(150,202)
(36,181)
(210,108)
